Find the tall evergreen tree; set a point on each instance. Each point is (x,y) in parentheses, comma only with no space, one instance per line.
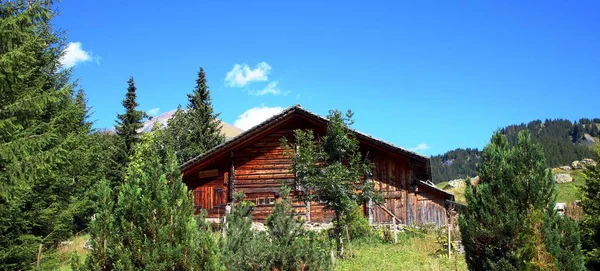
(196,129)
(44,138)
(131,121)
(590,226)
(510,222)
(153,219)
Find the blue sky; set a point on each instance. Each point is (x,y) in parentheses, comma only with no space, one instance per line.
(426,75)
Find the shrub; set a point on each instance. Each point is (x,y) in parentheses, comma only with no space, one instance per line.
(357,224)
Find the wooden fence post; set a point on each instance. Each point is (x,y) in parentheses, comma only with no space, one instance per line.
(395,230)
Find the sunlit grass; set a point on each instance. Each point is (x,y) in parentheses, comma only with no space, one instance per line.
(411,253)
(66,252)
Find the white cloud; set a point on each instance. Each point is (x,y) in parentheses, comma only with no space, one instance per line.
(153,112)
(256,115)
(421,147)
(74,54)
(271,88)
(242,74)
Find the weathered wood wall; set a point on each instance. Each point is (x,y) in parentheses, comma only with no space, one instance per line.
(263,166)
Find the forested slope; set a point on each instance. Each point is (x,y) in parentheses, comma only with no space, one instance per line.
(563,142)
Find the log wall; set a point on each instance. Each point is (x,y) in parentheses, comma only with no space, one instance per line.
(262,167)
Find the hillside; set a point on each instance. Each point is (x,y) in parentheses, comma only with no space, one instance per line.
(565,192)
(563,141)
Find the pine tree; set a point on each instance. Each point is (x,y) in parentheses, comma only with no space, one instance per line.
(196,129)
(291,246)
(153,219)
(516,188)
(332,168)
(594,129)
(244,249)
(44,144)
(590,226)
(102,230)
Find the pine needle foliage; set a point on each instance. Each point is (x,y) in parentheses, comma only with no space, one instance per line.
(47,162)
(590,226)
(285,245)
(292,247)
(152,225)
(128,128)
(195,129)
(243,248)
(510,222)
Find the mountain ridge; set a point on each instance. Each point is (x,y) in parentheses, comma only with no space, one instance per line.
(562,141)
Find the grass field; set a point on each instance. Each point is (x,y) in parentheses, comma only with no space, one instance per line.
(65,252)
(411,253)
(569,192)
(459,193)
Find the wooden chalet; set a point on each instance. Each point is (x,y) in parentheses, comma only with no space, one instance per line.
(255,163)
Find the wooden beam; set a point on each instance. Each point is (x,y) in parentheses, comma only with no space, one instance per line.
(389,213)
(208,173)
(231,181)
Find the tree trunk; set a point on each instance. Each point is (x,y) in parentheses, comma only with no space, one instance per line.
(338,236)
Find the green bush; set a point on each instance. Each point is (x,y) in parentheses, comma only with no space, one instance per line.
(284,246)
(357,224)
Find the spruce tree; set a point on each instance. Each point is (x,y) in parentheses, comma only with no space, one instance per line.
(510,222)
(196,129)
(153,218)
(131,121)
(45,152)
(590,226)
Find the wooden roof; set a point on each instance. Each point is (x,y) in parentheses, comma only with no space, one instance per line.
(267,125)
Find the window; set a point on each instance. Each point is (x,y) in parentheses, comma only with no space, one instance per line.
(198,199)
(265,201)
(219,197)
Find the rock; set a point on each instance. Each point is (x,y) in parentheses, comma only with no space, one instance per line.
(583,163)
(565,168)
(256,226)
(87,245)
(560,208)
(588,162)
(563,178)
(588,140)
(455,184)
(313,226)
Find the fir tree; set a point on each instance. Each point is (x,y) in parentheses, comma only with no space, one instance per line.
(153,219)
(515,189)
(590,226)
(332,168)
(129,123)
(196,129)
(45,152)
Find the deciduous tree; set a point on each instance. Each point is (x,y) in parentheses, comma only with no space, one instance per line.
(330,169)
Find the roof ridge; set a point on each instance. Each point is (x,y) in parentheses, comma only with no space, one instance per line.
(295,108)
